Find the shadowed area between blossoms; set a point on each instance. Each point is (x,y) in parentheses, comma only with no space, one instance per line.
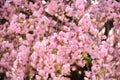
(108,25)
(118,0)
(79,72)
(27,13)
(2,76)
(33,1)
(3,21)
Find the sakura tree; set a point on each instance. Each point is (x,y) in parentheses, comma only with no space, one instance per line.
(59,40)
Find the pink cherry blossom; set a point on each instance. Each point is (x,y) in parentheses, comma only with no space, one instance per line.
(59,39)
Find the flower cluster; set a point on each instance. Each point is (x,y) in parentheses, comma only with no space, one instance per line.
(59,40)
